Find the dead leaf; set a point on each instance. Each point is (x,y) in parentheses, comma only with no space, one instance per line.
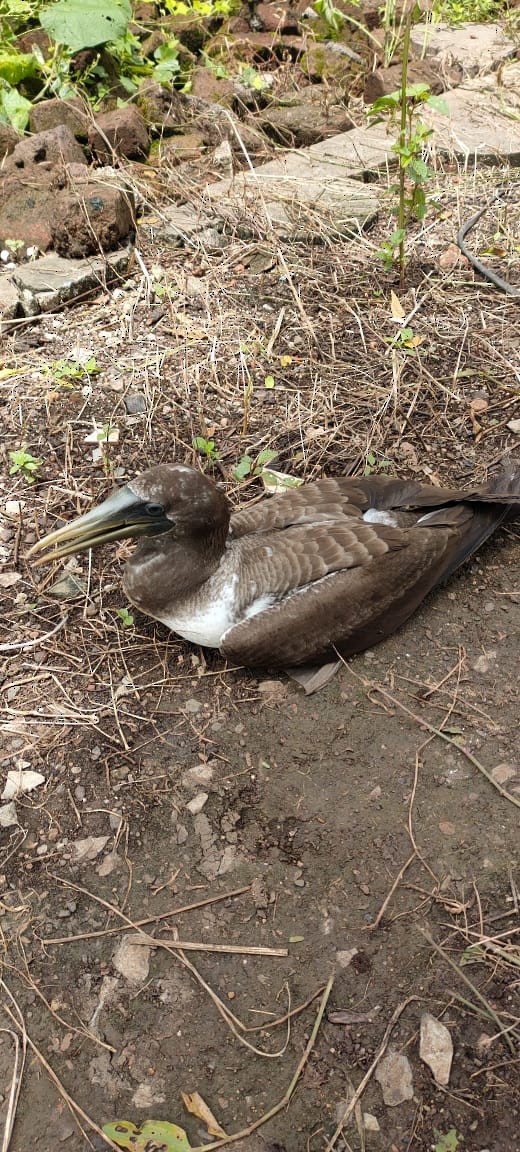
(396,307)
(478,404)
(198,1107)
(452,257)
(447,828)
(88,849)
(7,579)
(20,782)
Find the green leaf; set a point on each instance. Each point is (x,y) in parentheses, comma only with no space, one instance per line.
(417,92)
(418,170)
(266,457)
(386,103)
(439,105)
(16,66)
(447,1143)
(125,617)
(243,468)
(14,109)
(86,23)
(152,1134)
(269,382)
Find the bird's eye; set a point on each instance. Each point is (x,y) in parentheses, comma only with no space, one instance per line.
(155,509)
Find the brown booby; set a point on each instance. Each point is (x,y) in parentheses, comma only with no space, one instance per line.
(337,564)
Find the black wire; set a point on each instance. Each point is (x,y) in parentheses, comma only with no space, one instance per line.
(484,271)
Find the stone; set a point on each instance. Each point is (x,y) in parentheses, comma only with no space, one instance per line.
(10,303)
(46,284)
(132,961)
(216,90)
(183,149)
(97,217)
(55,146)
(86,849)
(476,48)
(480,126)
(144,12)
(197,804)
(276,17)
(302,198)
(328,60)
(200,775)
(27,206)
(135,404)
(8,815)
(436,1048)
(345,957)
(38,37)
(160,107)
(297,125)
(394,1074)
(122,131)
(386,80)
(50,114)
(503,772)
(8,140)
(189,29)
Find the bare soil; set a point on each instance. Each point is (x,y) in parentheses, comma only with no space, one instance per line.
(314,804)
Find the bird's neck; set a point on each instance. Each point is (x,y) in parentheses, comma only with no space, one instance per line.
(166,567)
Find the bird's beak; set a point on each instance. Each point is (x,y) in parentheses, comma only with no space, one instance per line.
(122,515)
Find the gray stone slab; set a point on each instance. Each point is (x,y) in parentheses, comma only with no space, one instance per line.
(476,47)
(482,124)
(51,281)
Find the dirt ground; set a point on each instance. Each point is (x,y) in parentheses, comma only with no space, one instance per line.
(338,827)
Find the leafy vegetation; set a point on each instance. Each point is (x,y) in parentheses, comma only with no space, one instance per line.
(409,148)
(24,463)
(205,447)
(250,466)
(115,63)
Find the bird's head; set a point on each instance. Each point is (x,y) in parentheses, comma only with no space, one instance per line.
(168,498)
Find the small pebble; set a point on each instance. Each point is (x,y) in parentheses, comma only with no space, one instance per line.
(197,804)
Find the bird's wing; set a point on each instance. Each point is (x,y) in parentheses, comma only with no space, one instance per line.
(336,498)
(347,609)
(347,584)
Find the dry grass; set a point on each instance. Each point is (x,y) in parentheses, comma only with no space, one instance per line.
(346,396)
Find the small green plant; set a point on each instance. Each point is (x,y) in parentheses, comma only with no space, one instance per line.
(409,146)
(14,245)
(25,463)
(332,17)
(205,447)
(253,79)
(468,11)
(373,464)
(65,372)
(449,1142)
(125,617)
(250,466)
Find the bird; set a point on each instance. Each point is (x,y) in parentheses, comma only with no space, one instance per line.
(325,569)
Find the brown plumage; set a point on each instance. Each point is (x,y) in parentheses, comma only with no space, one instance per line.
(337,564)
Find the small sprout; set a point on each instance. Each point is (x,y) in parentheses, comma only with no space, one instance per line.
(269,382)
(14,245)
(253,466)
(65,372)
(372,464)
(285,361)
(447,1142)
(25,463)
(253,79)
(205,447)
(125,617)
